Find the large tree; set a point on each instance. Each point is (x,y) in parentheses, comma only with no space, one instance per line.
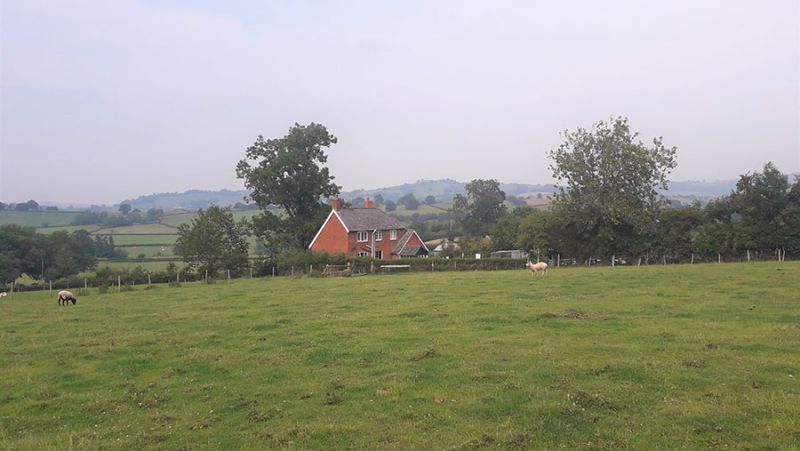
(289,173)
(481,208)
(608,184)
(214,241)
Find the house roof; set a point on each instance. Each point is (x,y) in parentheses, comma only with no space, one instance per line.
(360,219)
(402,249)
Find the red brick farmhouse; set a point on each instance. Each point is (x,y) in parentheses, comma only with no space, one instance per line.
(366,232)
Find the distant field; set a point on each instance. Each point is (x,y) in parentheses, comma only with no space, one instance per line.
(68,229)
(38,218)
(138,228)
(148,251)
(150,265)
(659,357)
(145,239)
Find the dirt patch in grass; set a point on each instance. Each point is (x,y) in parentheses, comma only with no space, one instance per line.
(426,354)
(596,401)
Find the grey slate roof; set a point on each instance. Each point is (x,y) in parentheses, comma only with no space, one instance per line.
(361,219)
(401,243)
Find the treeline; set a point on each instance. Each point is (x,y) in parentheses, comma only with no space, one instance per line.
(53,256)
(760,218)
(126,218)
(30,205)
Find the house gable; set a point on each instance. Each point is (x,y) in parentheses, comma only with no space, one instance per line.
(332,237)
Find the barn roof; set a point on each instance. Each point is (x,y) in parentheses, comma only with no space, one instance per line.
(360,219)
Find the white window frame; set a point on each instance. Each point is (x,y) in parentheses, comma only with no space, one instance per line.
(393,235)
(378,235)
(362,254)
(362,237)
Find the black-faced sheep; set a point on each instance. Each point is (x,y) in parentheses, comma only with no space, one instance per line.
(65,296)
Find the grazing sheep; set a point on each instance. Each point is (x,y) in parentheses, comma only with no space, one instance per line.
(538,267)
(3,294)
(65,296)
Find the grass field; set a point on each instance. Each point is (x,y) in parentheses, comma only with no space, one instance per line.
(660,357)
(38,218)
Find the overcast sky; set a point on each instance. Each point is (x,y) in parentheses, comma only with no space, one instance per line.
(106,100)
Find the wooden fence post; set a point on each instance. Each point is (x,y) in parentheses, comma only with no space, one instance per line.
(748,255)
(148,279)
(229,276)
(51,287)
(558,260)
(613,260)
(119,284)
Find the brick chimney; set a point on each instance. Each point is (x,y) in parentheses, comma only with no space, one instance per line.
(336,203)
(368,203)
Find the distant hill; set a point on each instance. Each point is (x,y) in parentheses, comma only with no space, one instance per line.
(443,190)
(191,200)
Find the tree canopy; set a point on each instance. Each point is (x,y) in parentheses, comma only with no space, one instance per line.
(481,208)
(608,185)
(214,241)
(290,173)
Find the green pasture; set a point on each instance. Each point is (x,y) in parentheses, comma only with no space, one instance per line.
(138,229)
(166,240)
(659,357)
(69,229)
(38,218)
(149,251)
(152,266)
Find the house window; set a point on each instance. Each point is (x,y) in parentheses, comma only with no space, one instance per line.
(361,237)
(379,255)
(379,235)
(393,234)
(362,253)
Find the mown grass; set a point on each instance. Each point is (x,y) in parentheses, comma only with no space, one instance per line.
(601,358)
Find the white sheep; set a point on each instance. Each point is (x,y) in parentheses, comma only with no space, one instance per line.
(3,294)
(65,296)
(537,267)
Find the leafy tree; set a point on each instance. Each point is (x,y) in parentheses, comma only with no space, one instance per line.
(677,231)
(539,233)
(2,206)
(482,207)
(154,215)
(379,200)
(430,200)
(760,199)
(213,241)
(390,206)
(19,252)
(124,209)
(608,182)
(289,172)
(409,201)
(506,230)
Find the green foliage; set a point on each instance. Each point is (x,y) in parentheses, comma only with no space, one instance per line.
(608,184)
(390,206)
(124,209)
(409,201)
(213,242)
(481,208)
(289,172)
(540,232)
